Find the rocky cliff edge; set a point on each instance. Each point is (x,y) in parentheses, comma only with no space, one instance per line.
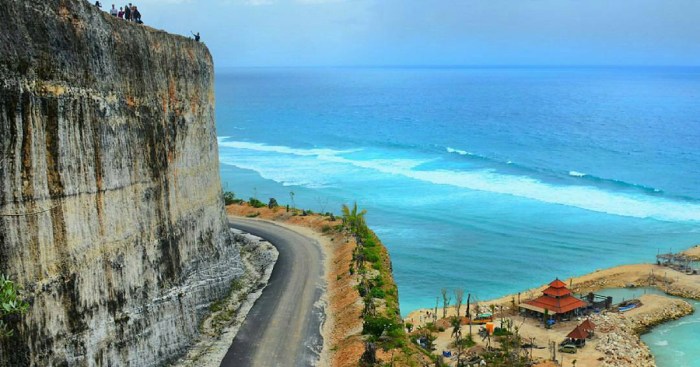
(111,215)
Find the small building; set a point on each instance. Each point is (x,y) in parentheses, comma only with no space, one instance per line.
(556,300)
(588,326)
(577,336)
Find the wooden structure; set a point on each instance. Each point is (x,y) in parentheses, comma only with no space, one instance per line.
(556,301)
(588,326)
(679,261)
(577,336)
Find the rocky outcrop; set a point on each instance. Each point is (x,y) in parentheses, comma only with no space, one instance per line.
(111,215)
(221,327)
(619,333)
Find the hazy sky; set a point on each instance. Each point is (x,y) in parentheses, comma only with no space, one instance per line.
(436,32)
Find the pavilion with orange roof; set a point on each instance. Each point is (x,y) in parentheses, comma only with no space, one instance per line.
(556,300)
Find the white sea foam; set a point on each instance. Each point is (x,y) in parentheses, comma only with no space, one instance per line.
(458,151)
(661,343)
(576,174)
(280,149)
(584,197)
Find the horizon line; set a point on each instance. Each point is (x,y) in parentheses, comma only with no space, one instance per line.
(456,66)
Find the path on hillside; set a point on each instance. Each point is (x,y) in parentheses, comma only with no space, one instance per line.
(283,327)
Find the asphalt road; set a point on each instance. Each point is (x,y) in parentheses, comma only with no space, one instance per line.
(283,327)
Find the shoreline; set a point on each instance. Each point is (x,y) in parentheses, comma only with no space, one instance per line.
(341,329)
(621,345)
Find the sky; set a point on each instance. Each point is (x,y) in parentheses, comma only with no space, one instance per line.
(269,33)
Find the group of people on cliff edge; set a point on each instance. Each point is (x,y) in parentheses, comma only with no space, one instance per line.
(128,12)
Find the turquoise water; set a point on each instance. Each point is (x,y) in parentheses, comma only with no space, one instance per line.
(674,344)
(492,180)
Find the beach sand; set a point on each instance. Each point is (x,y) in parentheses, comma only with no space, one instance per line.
(624,328)
(343,325)
(693,252)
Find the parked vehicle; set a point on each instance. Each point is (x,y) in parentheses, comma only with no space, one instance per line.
(568,348)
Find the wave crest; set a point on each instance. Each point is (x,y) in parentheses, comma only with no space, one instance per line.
(639,205)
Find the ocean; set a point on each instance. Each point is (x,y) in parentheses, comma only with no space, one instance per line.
(493,180)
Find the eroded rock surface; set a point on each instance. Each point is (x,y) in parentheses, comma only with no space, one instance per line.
(111,215)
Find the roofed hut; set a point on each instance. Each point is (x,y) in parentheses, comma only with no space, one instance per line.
(588,326)
(556,300)
(577,336)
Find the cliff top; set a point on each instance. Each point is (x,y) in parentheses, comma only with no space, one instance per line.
(57,39)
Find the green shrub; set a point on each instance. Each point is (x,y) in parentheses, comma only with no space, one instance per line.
(378,281)
(377,293)
(371,254)
(10,303)
(255,203)
(216,306)
(501,332)
(229,197)
(375,326)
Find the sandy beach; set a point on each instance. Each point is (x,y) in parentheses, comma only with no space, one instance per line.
(616,342)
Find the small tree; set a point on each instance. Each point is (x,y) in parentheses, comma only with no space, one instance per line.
(229,197)
(468,313)
(445,302)
(459,298)
(10,303)
(435,310)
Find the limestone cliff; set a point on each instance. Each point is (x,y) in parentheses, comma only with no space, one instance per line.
(110,209)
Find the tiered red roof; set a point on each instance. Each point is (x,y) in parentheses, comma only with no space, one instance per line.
(557,299)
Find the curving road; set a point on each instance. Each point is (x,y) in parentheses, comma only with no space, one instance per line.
(283,327)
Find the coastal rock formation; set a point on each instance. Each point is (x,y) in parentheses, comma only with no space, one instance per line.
(620,341)
(220,328)
(111,216)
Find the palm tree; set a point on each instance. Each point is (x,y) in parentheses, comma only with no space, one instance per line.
(353,220)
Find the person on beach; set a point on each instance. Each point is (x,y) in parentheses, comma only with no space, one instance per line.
(127,12)
(196,36)
(114,11)
(120,15)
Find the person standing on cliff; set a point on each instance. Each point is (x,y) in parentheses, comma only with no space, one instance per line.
(136,15)
(127,12)
(120,15)
(196,36)
(114,11)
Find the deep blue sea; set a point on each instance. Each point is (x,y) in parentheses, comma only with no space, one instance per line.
(493,180)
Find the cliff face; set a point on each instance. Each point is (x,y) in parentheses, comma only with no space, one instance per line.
(110,209)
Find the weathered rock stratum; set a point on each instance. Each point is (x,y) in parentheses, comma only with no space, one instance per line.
(111,215)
